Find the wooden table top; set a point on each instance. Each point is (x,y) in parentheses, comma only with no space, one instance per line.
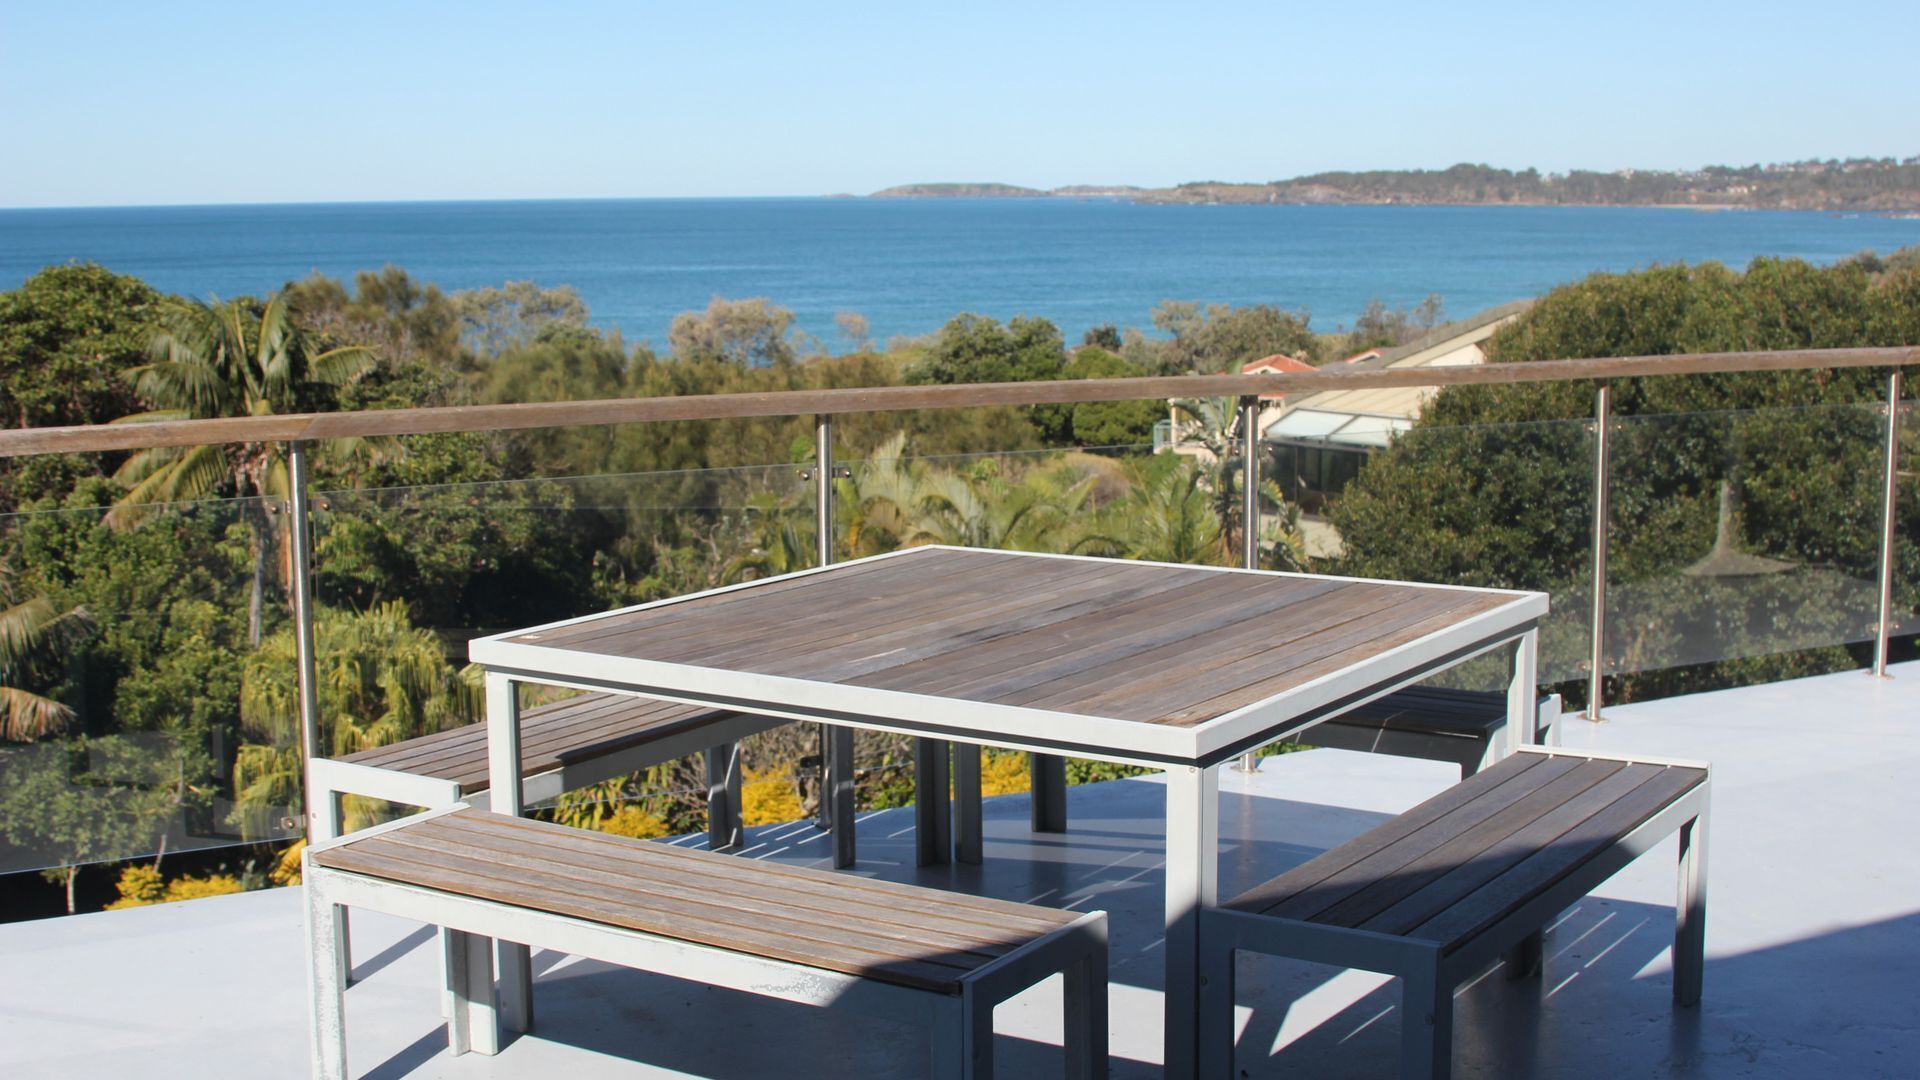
(1147,643)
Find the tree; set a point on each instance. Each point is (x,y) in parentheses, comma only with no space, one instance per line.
(1216,338)
(1491,486)
(743,333)
(977,349)
(86,801)
(68,336)
(853,326)
(238,358)
(494,319)
(1110,423)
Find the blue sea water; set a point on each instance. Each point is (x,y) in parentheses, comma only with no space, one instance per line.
(909,265)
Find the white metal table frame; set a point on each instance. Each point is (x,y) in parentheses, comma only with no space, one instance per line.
(1190,756)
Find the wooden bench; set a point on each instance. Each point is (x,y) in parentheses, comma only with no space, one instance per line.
(566,745)
(938,960)
(1442,891)
(1465,727)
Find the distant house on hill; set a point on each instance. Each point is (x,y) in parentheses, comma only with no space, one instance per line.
(1320,440)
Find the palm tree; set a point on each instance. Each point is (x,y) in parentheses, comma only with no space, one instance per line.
(380,680)
(783,540)
(1216,427)
(1166,515)
(237,358)
(25,628)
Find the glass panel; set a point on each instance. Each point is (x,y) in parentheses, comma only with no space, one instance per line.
(1738,536)
(407,576)
(1905,612)
(1521,518)
(145,621)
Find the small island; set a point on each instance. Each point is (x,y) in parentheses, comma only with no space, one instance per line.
(960,191)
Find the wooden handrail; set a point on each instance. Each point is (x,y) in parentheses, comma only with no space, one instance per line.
(383,422)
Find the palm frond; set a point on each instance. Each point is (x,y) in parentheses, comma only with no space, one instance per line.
(25,717)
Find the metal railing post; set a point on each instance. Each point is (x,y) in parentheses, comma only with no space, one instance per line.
(1596,661)
(1249,509)
(1889,499)
(836,741)
(302,573)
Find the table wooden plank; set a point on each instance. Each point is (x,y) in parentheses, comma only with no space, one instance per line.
(1033,666)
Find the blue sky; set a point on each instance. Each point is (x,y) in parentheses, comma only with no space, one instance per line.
(123,103)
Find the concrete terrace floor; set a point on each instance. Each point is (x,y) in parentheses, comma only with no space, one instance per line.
(1813,947)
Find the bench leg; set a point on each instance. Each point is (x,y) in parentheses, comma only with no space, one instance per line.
(969,834)
(723,797)
(1524,958)
(958,1050)
(932,814)
(329,822)
(1426,1028)
(1083,1007)
(326,988)
(516,986)
(1214,1022)
(1049,776)
(1690,916)
(474,1022)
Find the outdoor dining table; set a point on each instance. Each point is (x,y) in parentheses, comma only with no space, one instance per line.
(1174,667)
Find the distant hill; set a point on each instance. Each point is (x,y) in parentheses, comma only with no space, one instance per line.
(959,191)
(1866,184)
(1872,185)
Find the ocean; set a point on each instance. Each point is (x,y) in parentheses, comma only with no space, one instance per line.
(908,265)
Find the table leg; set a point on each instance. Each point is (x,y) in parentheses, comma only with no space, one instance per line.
(506,796)
(839,794)
(932,816)
(1193,881)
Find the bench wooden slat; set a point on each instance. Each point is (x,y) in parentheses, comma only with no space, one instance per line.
(1334,875)
(1533,875)
(1444,853)
(652,888)
(928,974)
(620,852)
(817,919)
(1439,710)
(553,735)
(1465,871)
(797,893)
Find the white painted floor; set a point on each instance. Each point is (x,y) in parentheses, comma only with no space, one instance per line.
(1813,939)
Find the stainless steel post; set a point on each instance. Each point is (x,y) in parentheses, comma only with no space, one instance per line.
(836,741)
(302,570)
(1602,421)
(1889,499)
(1249,510)
(823,489)
(1250,482)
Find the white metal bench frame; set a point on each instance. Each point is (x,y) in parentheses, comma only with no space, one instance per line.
(1428,978)
(961,1024)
